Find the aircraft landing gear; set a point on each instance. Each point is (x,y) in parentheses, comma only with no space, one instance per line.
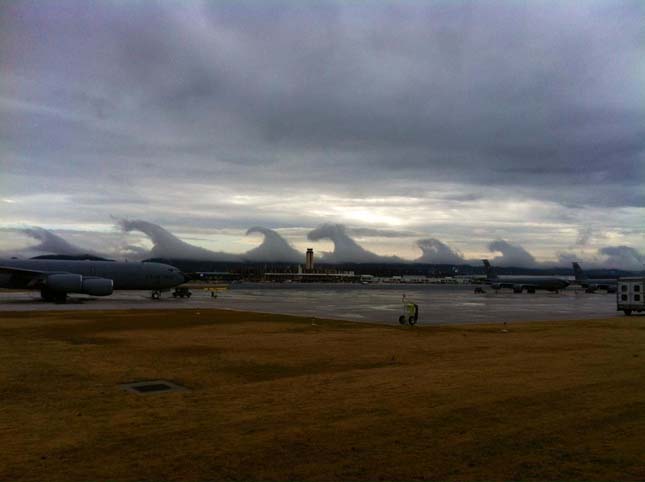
(53,296)
(47,295)
(156,294)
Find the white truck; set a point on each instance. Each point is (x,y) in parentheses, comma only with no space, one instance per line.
(630,295)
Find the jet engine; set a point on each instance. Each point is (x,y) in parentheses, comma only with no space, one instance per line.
(97,286)
(75,283)
(64,283)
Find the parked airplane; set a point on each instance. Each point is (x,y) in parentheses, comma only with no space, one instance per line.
(520,283)
(56,278)
(592,284)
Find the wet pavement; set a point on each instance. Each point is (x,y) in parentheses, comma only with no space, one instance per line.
(382,304)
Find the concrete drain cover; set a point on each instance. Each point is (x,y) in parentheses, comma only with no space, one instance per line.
(152,386)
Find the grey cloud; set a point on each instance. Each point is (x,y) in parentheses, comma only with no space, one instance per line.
(566,258)
(103,244)
(51,243)
(608,257)
(512,255)
(475,93)
(132,251)
(584,235)
(114,107)
(167,245)
(346,250)
(622,257)
(437,252)
(462,198)
(378,233)
(273,248)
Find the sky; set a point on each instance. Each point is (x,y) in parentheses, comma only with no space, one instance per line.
(487,128)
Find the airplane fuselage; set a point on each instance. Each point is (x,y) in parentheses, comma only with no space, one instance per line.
(608,285)
(124,275)
(528,283)
(593,284)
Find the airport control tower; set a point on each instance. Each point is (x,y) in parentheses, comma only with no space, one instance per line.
(309,260)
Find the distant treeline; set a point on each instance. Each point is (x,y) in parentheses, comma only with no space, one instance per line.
(249,269)
(252,270)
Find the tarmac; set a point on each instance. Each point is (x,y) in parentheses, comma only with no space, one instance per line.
(438,304)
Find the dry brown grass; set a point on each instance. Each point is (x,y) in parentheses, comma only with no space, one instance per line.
(275,397)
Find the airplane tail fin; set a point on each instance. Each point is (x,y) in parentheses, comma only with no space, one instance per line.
(580,275)
(490,272)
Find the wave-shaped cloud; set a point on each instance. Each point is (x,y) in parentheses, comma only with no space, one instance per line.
(273,248)
(608,257)
(51,243)
(437,252)
(512,255)
(167,245)
(622,257)
(346,250)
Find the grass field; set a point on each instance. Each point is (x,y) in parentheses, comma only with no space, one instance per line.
(277,397)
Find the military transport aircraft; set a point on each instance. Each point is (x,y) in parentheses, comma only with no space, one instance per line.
(521,283)
(56,278)
(593,284)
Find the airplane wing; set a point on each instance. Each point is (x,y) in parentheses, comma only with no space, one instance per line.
(505,284)
(12,270)
(27,277)
(510,284)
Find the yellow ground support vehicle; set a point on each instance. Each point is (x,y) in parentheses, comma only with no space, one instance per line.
(410,313)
